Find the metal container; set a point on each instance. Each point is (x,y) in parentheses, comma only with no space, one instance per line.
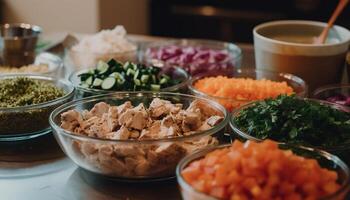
(17,44)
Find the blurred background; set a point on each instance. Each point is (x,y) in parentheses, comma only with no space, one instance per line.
(229,20)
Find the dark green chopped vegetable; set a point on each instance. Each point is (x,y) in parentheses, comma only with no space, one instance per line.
(23,91)
(293,120)
(129,76)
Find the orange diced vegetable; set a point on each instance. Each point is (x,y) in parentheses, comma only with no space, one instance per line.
(260,171)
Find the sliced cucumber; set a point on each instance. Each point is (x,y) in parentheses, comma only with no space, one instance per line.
(144,78)
(137,72)
(89,80)
(114,74)
(97,82)
(108,83)
(163,81)
(155,87)
(130,72)
(102,67)
(120,80)
(137,82)
(127,65)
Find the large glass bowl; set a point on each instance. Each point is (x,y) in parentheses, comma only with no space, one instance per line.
(342,151)
(225,67)
(325,159)
(331,92)
(26,122)
(298,85)
(108,157)
(174,73)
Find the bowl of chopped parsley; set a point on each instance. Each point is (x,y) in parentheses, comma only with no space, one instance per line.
(115,76)
(290,119)
(26,102)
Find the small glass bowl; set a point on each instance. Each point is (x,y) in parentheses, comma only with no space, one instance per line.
(53,62)
(83,60)
(91,153)
(26,122)
(175,73)
(325,159)
(329,91)
(223,67)
(298,85)
(342,151)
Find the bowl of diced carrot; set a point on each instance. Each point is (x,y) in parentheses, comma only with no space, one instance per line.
(245,86)
(262,170)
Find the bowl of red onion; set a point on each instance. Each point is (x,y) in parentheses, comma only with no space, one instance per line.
(339,94)
(197,57)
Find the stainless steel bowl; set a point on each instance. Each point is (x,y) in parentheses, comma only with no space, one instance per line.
(17,43)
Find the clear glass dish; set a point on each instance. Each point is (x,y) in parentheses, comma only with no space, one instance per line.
(26,122)
(342,151)
(175,73)
(53,62)
(298,85)
(107,157)
(325,159)
(329,91)
(225,67)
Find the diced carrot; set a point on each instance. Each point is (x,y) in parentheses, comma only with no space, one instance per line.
(241,90)
(267,173)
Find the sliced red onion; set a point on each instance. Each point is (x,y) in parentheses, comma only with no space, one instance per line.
(196,60)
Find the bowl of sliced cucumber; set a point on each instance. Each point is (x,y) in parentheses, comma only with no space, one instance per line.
(114,76)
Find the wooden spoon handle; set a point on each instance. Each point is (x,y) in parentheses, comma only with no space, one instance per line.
(341,5)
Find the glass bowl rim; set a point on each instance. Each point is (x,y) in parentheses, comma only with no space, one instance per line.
(235,50)
(292,77)
(247,136)
(329,87)
(201,153)
(68,95)
(121,95)
(184,83)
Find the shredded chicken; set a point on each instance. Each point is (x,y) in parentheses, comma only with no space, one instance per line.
(162,119)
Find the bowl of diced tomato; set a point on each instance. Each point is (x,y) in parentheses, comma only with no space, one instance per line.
(262,170)
(245,86)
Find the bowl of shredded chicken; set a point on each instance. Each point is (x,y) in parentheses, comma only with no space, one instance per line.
(137,135)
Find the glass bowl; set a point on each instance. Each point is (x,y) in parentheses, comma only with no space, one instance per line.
(107,157)
(342,151)
(334,93)
(325,159)
(83,60)
(149,54)
(53,62)
(298,85)
(31,121)
(174,72)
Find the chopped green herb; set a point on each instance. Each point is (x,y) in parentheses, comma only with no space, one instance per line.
(294,120)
